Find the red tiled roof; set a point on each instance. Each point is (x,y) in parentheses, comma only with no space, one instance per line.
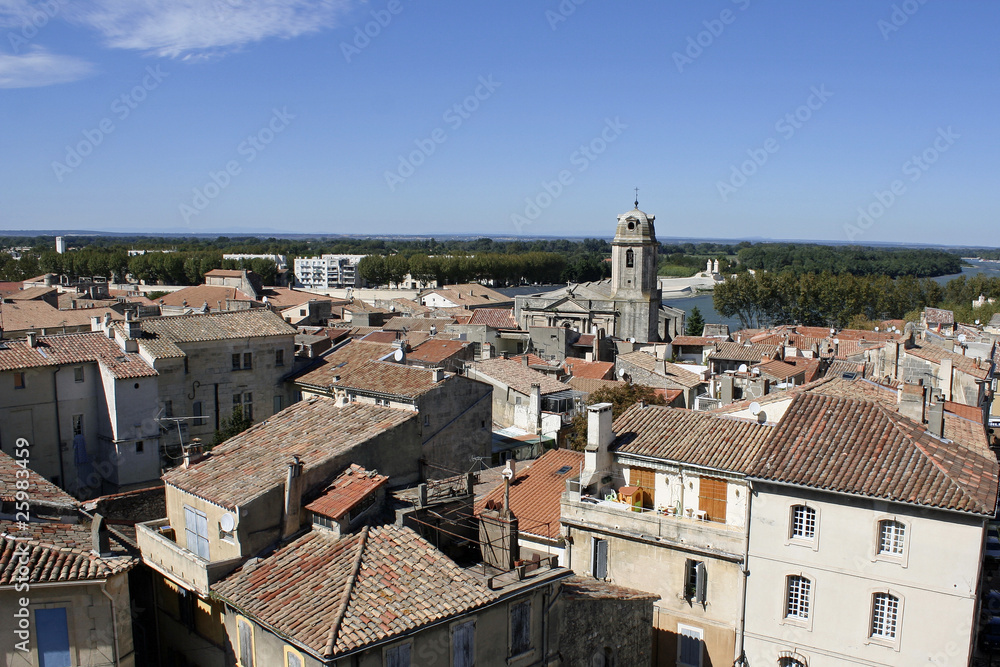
(27,315)
(702,341)
(535,492)
(74,349)
(468,294)
(384,337)
(779,370)
(335,595)
(533,360)
(32,294)
(495,318)
(39,489)
(195,297)
(597,370)
(389,378)
(668,371)
(936,355)
(669,395)
(589,385)
(255,461)
(417,323)
(58,552)
(938,316)
(697,438)
(349,489)
(286,297)
(810,366)
(970,412)
(436,350)
(861,448)
(340,360)
(739,352)
(517,376)
(585,340)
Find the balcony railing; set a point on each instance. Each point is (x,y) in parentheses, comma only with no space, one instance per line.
(160,551)
(689,528)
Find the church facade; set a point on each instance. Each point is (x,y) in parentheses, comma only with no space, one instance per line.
(627,307)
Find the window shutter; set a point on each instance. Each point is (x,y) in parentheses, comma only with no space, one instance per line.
(600,565)
(398,656)
(246,644)
(701,582)
(520,632)
(464,644)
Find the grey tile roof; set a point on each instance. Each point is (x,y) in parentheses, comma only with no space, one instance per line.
(162,333)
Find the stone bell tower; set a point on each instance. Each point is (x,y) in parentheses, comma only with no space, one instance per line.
(634,287)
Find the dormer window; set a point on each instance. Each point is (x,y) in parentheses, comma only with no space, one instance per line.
(629,255)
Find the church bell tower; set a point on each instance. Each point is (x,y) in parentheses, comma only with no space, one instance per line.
(635,290)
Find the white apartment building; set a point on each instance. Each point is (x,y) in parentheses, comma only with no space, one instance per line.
(328,271)
(281,261)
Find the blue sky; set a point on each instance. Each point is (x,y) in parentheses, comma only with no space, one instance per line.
(863,120)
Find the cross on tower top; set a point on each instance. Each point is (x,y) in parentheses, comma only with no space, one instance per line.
(637,197)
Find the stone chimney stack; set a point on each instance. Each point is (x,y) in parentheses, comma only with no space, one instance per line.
(100,536)
(935,415)
(912,401)
(32,338)
(535,406)
(293,498)
(597,459)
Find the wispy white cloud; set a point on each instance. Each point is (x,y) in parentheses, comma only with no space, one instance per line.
(38,67)
(199,28)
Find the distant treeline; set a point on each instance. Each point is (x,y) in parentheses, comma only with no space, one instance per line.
(825,299)
(892,262)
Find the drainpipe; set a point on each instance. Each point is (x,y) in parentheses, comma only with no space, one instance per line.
(114,623)
(741,659)
(55,395)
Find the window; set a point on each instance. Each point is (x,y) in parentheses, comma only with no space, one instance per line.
(197,410)
(168,408)
(77,424)
(695,581)
(139,447)
(520,627)
(245,631)
(599,558)
(78,374)
(463,644)
(629,258)
(398,656)
(19,381)
(791,662)
(797,598)
(885,614)
(712,498)
(196,531)
(645,479)
(185,365)
(293,658)
(277,404)
(689,641)
(247,360)
(53,637)
(279,357)
(803,522)
(891,537)
(245,401)
(236,361)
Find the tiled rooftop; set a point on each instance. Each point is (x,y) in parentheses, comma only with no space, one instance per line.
(195,297)
(597,370)
(341,360)
(389,378)
(346,491)
(435,351)
(335,595)
(254,461)
(588,385)
(664,369)
(254,323)
(27,315)
(535,492)
(936,355)
(59,552)
(74,349)
(934,316)
(739,352)
(469,294)
(779,370)
(697,438)
(862,448)
(702,341)
(495,318)
(40,490)
(517,376)
(417,323)
(32,293)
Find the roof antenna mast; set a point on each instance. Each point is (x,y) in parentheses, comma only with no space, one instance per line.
(637,197)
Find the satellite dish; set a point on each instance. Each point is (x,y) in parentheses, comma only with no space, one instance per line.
(876,329)
(755,370)
(507,472)
(398,355)
(833,331)
(742,368)
(961,338)
(621,372)
(755,408)
(977,322)
(227,522)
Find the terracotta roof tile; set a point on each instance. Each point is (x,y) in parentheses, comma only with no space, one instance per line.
(335,595)
(668,371)
(389,378)
(346,491)
(195,297)
(40,490)
(597,370)
(32,293)
(702,341)
(495,318)
(59,552)
(698,438)
(417,323)
(74,349)
(468,294)
(336,363)
(436,350)
(517,376)
(862,448)
(589,385)
(936,355)
(26,315)
(254,323)
(536,491)
(254,461)
(740,352)
(779,370)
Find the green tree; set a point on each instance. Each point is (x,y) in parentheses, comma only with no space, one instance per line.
(396,268)
(695,323)
(371,268)
(621,397)
(234,425)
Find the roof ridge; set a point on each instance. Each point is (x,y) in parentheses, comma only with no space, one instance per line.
(345,601)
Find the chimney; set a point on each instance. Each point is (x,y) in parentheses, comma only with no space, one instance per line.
(535,406)
(293,498)
(597,458)
(912,401)
(100,536)
(32,338)
(524,359)
(437,374)
(192,452)
(935,416)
